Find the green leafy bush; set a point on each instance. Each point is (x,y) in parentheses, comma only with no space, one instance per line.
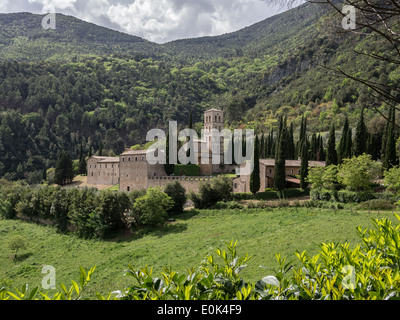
(323,194)
(151,209)
(346,196)
(240,196)
(376,204)
(228,205)
(178,194)
(266,195)
(220,189)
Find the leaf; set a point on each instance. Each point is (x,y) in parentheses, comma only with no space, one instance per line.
(63,288)
(13,295)
(76,287)
(271,280)
(33,293)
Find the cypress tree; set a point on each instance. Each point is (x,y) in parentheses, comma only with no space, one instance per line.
(372,142)
(303,133)
(255,174)
(270,144)
(64,171)
(321,152)
(390,158)
(331,155)
(343,149)
(280,165)
(349,144)
(82,166)
(290,144)
(304,165)
(262,146)
(278,138)
(360,138)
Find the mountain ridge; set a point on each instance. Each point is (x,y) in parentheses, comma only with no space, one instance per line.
(73,32)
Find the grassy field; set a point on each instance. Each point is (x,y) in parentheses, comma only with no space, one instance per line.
(184,243)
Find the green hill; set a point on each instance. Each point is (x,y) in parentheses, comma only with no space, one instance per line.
(23,38)
(82,83)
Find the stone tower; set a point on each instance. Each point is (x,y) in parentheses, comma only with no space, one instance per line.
(213,119)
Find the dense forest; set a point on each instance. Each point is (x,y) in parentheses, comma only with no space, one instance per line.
(84,85)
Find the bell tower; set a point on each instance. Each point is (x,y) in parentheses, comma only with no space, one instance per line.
(213,119)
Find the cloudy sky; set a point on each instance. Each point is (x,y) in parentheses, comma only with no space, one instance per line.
(156,20)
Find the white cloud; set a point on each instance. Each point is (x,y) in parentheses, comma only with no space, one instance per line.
(157,20)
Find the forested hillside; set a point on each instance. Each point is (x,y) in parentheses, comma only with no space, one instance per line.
(86,85)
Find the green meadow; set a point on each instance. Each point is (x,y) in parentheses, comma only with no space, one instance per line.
(184,243)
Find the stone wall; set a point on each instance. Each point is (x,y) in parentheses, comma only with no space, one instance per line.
(189,183)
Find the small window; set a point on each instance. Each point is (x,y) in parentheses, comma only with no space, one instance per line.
(129,159)
(142,158)
(135,158)
(128,189)
(92,174)
(235,186)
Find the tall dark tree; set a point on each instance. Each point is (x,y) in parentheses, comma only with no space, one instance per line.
(345,144)
(82,166)
(262,146)
(390,158)
(331,154)
(361,136)
(255,174)
(321,156)
(303,133)
(372,142)
(291,149)
(304,164)
(280,164)
(64,171)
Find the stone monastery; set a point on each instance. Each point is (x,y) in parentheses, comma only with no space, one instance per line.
(132,171)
